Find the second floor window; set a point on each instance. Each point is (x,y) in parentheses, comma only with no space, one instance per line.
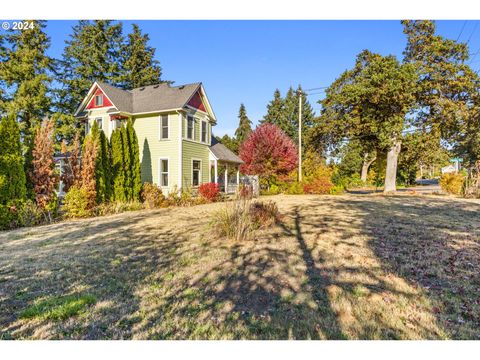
(204,131)
(164,127)
(98,100)
(190,124)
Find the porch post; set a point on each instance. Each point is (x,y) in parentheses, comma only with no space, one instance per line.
(238,176)
(215,165)
(226,178)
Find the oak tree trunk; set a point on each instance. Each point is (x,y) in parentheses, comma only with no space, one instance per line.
(391,171)
(365,166)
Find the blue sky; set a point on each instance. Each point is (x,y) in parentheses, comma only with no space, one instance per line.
(245,61)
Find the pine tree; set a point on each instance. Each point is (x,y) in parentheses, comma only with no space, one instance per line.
(25,73)
(118,165)
(229,142)
(12,173)
(274,110)
(134,157)
(93,53)
(139,65)
(244,126)
(43,176)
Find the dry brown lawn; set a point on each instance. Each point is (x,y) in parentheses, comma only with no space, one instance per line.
(337,267)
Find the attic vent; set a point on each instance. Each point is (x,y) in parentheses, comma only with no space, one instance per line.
(181,87)
(155,86)
(141,89)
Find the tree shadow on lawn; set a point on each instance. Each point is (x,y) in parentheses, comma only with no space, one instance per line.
(109,258)
(433,244)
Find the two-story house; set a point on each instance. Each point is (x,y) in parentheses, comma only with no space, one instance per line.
(174,129)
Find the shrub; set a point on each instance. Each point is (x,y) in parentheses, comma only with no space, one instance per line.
(7,217)
(264,214)
(337,190)
(239,219)
(29,214)
(452,183)
(274,190)
(77,203)
(320,182)
(152,196)
(209,191)
(294,188)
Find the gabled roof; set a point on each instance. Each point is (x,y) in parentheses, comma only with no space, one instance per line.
(150,98)
(222,153)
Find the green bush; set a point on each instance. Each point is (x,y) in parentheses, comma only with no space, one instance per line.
(76,203)
(152,196)
(8,217)
(29,214)
(294,188)
(452,183)
(337,190)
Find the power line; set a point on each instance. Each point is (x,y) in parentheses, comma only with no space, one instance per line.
(474,28)
(461,31)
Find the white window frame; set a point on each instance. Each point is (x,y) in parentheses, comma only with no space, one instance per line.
(160,127)
(100,126)
(160,172)
(193,127)
(87,127)
(206,131)
(199,172)
(99,97)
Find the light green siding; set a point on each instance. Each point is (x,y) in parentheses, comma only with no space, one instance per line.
(152,149)
(96,113)
(194,151)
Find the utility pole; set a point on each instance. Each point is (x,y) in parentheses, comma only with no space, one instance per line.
(299,135)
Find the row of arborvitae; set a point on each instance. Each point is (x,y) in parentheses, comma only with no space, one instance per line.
(108,173)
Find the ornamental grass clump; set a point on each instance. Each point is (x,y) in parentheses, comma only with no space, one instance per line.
(239,219)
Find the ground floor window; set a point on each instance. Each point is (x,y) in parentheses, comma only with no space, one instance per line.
(163,172)
(196,166)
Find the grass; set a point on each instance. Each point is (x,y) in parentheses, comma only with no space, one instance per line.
(333,267)
(58,308)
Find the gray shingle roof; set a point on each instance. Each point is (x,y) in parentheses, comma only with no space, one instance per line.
(222,153)
(149,98)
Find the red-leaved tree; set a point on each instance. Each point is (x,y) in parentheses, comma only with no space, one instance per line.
(268,152)
(43,174)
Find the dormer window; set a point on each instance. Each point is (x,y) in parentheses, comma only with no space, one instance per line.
(98,100)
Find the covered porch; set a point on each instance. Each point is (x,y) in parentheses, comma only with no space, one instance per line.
(224,167)
(226,175)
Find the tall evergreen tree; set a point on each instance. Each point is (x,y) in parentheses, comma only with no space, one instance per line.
(103,176)
(12,173)
(244,126)
(229,142)
(118,165)
(274,110)
(93,53)
(127,162)
(284,113)
(134,157)
(139,65)
(25,72)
